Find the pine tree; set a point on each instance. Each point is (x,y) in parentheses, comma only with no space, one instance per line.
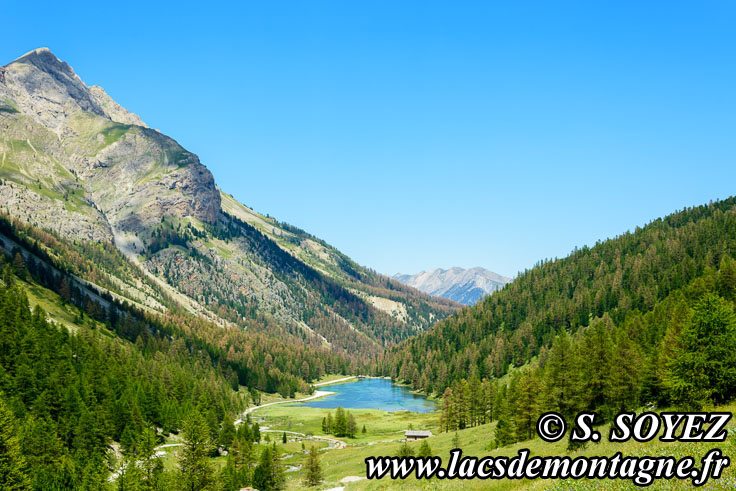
(704,367)
(13,469)
(527,405)
(229,479)
(341,423)
(489,389)
(560,377)
(626,379)
(150,464)
(195,469)
(727,277)
(19,266)
(363,430)
(424,449)
(448,420)
(65,292)
(283,438)
(313,468)
(462,404)
(352,426)
(595,358)
(262,474)
(241,454)
(505,431)
(278,478)
(456,441)
(129,474)
(476,403)
(405,450)
(256,431)
(227,433)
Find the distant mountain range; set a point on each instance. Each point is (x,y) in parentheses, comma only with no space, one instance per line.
(465,286)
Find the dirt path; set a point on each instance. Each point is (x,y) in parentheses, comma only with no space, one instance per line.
(317,393)
(334,443)
(335,381)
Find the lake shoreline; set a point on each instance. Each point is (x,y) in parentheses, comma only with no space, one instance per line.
(379,393)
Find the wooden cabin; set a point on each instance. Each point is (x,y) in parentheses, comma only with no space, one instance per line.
(413,435)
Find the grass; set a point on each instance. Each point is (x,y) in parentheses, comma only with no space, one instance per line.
(58,185)
(7,107)
(385,430)
(63,313)
(382,429)
(330,378)
(380,425)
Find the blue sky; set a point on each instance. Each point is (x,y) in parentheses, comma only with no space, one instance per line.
(414,135)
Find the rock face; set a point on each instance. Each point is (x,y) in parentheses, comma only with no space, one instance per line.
(465,286)
(61,138)
(47,89)
(113,110)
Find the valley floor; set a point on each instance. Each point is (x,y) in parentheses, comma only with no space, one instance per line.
(344,466)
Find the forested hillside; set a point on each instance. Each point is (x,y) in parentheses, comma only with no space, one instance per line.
(616,278)
(64,397)
(646,319)
(247,357)
(100,389)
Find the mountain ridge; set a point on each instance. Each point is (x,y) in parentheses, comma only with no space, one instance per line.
(77,163)
(466,286)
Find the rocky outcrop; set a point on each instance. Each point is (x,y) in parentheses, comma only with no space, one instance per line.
(47,89)
(144,176)
(31,207)
(118,168)
(112,109)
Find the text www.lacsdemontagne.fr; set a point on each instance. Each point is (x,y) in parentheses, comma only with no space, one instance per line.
(642,471)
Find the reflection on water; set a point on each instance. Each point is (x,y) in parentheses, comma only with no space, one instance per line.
(372,393)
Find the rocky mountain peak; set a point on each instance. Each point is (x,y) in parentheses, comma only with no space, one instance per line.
(48,89)
(44,59)
(93,162)
(466,286)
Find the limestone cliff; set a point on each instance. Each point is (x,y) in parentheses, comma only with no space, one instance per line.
(61,138)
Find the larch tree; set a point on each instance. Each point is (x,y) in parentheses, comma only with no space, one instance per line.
(313,476)
(13,468)
(704,367)
(195,469)
(424,449)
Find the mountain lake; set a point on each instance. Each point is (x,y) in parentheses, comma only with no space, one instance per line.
(373,393)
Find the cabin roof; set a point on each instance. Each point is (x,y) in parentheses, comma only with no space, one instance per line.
(417,433)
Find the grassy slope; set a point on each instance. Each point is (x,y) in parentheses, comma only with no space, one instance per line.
(385,430)
(324,258)
(63,313)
